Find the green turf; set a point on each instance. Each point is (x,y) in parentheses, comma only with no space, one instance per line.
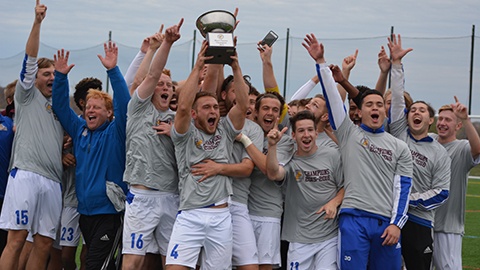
(471,241)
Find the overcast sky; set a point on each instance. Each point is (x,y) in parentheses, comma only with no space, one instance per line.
(436,70)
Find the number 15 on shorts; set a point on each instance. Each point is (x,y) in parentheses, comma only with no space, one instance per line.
(22,217)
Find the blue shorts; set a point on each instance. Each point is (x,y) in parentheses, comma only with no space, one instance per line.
(361,244)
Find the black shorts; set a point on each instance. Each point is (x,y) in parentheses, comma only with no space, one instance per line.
(417,246)
(99,233)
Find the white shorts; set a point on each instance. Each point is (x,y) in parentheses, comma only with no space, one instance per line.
(56,242)
(267,233)
(313,256)
(207,228)
(447,251)
(70,229)
(244,242)
(32,202)
(148,223)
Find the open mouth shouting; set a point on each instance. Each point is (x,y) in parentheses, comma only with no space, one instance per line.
(211,121)
(164,96)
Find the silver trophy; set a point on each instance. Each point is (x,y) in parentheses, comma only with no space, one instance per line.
(217,27)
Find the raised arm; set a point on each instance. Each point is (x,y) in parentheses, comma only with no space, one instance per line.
(153,43)
(239,111)
(172,34)
(347,65)
(33,42)
(397,109)
(461,112)
(305,89)
(269,82)
(29,66)
(268,75)
(275,171)
(384,65)
(135,64)
(337,111)
(121,96)
(60,92)
(187,95)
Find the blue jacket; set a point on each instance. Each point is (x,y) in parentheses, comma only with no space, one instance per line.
(6,141)
(100,154)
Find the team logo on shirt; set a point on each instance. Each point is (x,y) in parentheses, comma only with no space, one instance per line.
(419,159)
(198,143)
(209,145)
(85,132)
(364,142)
(298,174)
(48,108)
(3,128)
(168,121)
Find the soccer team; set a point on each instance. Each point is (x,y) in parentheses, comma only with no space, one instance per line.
(208,173)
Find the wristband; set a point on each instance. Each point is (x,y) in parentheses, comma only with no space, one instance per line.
(245,140)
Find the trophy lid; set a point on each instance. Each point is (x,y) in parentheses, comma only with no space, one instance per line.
(216,21)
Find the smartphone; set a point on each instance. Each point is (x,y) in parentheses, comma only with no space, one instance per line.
(269,39)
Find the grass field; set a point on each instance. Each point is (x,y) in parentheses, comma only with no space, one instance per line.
(471,241)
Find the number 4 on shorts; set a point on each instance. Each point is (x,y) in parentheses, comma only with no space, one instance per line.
(174,252)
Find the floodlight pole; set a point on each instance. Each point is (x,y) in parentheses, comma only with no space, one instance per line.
(108,79)
(390,70)
(286,65)
(193,49)
(471,71)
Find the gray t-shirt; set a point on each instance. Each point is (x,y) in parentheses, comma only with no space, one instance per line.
(450,217)
(68,185)
(310,183)
(266,199)
(37,146)
(150,159)
(431,173)
(241,185)
(195,146)
(324,140)
(371,161)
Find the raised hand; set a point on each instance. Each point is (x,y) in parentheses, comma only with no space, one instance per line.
(396,50)
(337,73)
(172,33)
(145,44)
(111,55)
(156,39)
(236,21)
(314,48)
(40,12)
(383,61)
(61,61)
(274,135)
(265,52)
(350,61)
(459,109)
(201,58)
